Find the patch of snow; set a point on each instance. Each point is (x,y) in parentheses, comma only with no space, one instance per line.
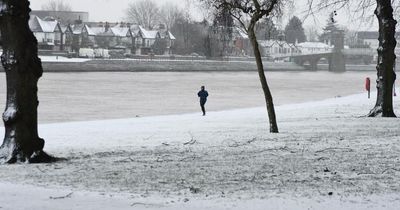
(10,113)
(147,34)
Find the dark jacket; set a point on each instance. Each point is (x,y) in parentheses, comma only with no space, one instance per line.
(203,94)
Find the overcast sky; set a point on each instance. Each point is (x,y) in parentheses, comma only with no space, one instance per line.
(114,11)
(102,10)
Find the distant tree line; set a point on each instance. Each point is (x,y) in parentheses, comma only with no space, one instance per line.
(56,5)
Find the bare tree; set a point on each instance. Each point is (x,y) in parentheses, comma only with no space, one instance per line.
(169,14)
(57,5)
(386,60)
(23,69)
(144,12)
(311,33)
(248,13)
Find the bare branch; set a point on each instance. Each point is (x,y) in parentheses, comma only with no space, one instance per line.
(144,12)
(57,5)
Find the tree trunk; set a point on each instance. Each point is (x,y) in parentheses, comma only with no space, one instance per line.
(273,127)
(23,69)
(386,60)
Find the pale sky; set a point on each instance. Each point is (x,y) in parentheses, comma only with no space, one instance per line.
(103,10)
(114,11)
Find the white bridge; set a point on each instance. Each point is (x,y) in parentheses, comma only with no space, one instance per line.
(366,54)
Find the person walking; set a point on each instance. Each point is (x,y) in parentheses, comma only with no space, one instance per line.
(203,94)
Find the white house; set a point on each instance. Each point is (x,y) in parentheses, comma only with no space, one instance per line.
(123,37)
(143,39)
(98,36)
(314,48)
(277,48)
(47,32)
(371,38)
(169,39)
(120,36)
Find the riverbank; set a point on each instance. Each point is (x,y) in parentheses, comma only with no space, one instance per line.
(62,64)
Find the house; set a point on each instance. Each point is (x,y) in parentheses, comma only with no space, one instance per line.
(122,37)
(64,17)
(76,42)
(277,48)
(97,36)
(48,33)
(314,47)
(144,40)
(371,38)
(130,38)
(68,38)
(167,39)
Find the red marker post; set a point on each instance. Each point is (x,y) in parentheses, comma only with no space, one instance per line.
(368,86)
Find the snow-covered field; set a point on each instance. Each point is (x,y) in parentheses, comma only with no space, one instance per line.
(327,156)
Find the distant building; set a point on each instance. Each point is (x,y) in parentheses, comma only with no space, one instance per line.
(132,39)
(371,38)
(64,17)
(144,39)
(70,31)
(277,48)
(314,47)
(168,40)
(107,37)
(47,32)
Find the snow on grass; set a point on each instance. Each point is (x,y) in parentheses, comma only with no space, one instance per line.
(65,199)
(327,156)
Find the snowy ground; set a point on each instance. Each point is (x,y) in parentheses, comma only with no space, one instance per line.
(226,160)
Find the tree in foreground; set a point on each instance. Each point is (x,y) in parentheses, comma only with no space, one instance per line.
(23,69)
(386,60)
(386,50)
(248,13)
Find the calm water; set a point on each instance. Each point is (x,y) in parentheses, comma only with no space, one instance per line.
(91,96)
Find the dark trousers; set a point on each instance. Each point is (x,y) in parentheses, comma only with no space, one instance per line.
(202,105)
